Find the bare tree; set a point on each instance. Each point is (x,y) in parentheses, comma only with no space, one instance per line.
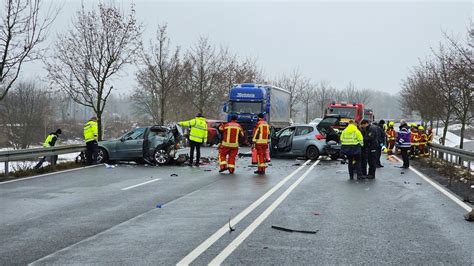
(204,83)
(25,114)
(292,83)
(21,30)
(308,96)
(160,77)
(92,52)
(324,95)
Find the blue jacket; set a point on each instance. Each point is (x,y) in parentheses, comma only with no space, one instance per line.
(403,138)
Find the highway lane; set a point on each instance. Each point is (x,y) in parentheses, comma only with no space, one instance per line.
(90,218)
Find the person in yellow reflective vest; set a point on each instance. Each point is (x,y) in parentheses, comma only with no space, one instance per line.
(50,141)
(352,142)
(91,135)
(197,136)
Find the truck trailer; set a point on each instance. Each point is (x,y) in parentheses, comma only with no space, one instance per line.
(247,100)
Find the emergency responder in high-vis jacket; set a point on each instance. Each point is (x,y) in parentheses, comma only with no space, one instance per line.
(91,135)
(261,136)
(391,135)
(403,142)
(197,136)
(423,140)
(229,146)
(50,141)
(352,142)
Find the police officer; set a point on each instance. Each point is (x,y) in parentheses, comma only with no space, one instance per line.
(352,141)
(91,135)
(229,146)
(50,141)
(369,150)
(197,136)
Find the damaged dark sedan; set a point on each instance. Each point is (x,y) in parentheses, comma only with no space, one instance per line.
(153,144)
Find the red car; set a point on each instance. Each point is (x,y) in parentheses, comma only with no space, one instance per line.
(212,134)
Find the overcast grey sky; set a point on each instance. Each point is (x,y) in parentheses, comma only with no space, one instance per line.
(373,44)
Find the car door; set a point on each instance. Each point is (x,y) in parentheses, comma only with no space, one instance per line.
(301,136)
(284,140)
(131,145)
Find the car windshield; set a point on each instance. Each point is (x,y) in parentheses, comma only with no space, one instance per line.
(246,107)
(344,111)
(134,134)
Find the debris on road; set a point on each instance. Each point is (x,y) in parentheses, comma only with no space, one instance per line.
(174,175)
(315,213)
(207,170)
(158,206)
(293,231)
(296,164)
(231,229)
(469,216)
(419,184)
(109,166)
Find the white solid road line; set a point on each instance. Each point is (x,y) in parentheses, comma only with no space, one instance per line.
(141,184)
(238,240)
(225,229)
(48,174)
(440,188)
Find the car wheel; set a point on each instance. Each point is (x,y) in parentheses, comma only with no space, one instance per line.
(102,156)
(312,153)
(161,157)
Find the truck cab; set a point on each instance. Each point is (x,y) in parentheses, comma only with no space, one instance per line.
(347,111)
(248,100)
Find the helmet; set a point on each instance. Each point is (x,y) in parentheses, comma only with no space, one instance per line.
(391,124)
(413,125)
(421,128)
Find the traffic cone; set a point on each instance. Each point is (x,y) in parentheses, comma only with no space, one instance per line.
(254,156)
(267,155)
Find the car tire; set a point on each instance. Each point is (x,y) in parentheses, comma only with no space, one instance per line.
(312,153)
(102,156)
(161,157)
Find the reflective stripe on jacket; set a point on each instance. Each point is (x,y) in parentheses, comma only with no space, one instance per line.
(232,131)
(261,133)
(91,131)
(198,127)
(391,134)
(403,139)
(351,135)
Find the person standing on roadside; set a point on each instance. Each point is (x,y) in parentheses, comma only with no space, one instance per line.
(261,136)
(403,142)
(229,146)
(50,141)
(352,142)
(381,141)
(369,150)
(91,135)
(197,136)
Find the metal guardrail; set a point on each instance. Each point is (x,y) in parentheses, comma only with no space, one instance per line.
(452,155)
(19,155)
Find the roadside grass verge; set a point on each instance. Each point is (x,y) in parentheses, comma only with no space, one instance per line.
(21,173)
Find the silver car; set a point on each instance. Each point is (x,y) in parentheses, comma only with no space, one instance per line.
(301,141)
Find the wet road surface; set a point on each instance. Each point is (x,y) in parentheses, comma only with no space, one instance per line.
(167,215)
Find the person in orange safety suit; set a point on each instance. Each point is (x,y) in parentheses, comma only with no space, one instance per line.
(261,136)
(229,146)
(391,136)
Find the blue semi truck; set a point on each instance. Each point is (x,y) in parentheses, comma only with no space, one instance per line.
(247,100)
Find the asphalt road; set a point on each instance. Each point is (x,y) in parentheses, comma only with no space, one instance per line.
(110,216)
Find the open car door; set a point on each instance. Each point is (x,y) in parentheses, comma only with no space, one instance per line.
(283,140)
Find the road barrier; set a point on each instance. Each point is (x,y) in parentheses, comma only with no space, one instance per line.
(25,154)
(452,155)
